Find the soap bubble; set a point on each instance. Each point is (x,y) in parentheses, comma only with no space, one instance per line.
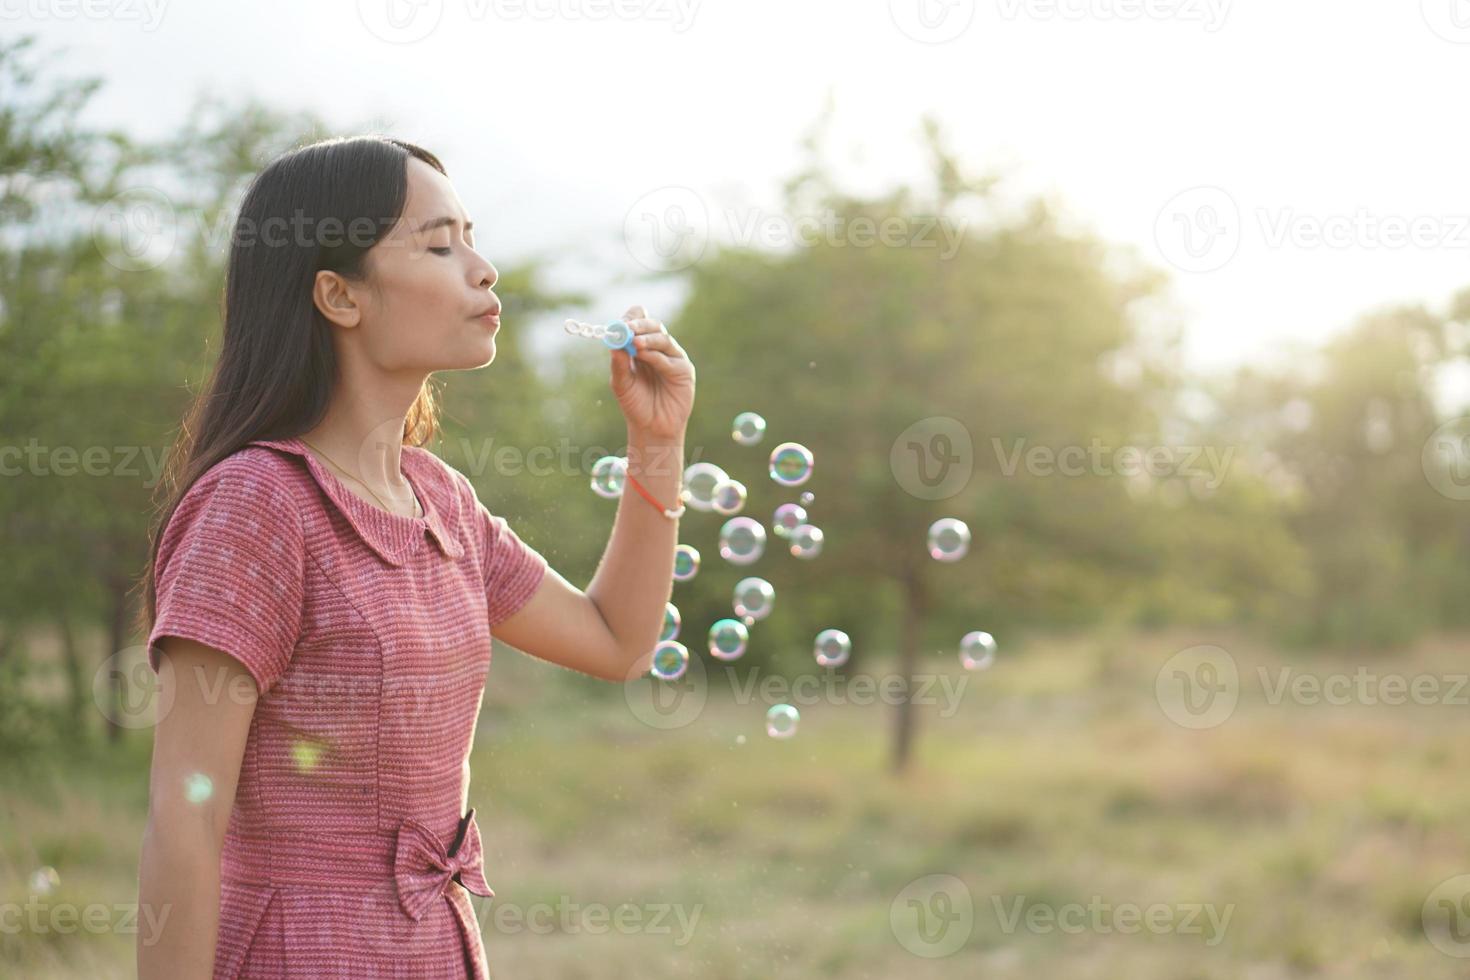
(728,497)
(977,650)
(749,429)
(608,474)
(198,787)
(672,622)
(806,541)
(727,639)
(807,497)
(788,518)
(700,480)
(753,599)
(670,660)
(781,721)
(686,562)
(742,540)
(832,648)
(791,464)
(45,880)
(949,539)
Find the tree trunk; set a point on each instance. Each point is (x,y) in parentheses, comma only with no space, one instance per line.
(908,659)
(117,638)
(71,658)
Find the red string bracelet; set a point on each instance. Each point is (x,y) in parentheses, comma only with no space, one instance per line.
(674,514)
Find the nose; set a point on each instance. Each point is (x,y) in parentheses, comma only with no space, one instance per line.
(484,274)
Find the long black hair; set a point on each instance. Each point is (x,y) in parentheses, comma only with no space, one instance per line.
(320,206)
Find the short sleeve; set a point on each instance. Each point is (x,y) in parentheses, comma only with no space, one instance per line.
(512,569)
(231,567)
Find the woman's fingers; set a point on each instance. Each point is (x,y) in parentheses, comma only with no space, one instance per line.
(658,342)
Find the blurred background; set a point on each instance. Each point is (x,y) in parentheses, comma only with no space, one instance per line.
(1167,301)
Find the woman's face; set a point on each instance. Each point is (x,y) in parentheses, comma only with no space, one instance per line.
(420,308)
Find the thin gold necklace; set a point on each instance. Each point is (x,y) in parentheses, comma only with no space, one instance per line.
(417,508)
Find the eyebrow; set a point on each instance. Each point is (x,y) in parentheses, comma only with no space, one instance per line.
(433,223)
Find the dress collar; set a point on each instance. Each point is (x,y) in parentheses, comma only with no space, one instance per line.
(393,537)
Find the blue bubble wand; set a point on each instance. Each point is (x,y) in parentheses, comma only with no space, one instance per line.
(617,335)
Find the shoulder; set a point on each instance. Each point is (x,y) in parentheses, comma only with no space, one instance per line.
(255,487)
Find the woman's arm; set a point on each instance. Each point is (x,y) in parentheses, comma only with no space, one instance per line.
(206,701)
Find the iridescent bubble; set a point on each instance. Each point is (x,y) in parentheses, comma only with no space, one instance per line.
(306,754)
(608,476)
(670,660)
(729,497)
(791,464)
(749,429)
(700,480)
(44,880)
(949,539)
(832,648)
(198,787)
(727,639)
(781,721)
(686,562)
(807,497)
(672,622)
(806,541)
(742,540)
(754,598)
(977,650)
(788,518)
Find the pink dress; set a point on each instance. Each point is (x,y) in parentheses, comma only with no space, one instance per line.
(350,850)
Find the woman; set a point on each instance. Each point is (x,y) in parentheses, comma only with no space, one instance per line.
(322,590)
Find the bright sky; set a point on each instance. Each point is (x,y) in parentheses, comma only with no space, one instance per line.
(1328,138)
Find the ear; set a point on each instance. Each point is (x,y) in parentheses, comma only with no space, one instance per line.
(331,294)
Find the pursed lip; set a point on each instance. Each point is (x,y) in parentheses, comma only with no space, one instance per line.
(489,311)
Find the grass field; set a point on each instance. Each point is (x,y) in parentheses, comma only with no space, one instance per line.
(1088,835)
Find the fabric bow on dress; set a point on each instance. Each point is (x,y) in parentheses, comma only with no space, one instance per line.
(423,868)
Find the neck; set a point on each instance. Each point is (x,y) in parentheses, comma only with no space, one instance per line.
(364,435)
